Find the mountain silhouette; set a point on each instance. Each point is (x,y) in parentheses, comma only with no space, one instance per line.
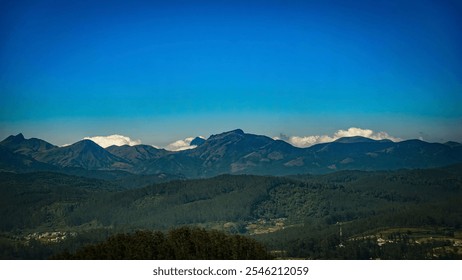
(232,152)
(18,144)
(85,154)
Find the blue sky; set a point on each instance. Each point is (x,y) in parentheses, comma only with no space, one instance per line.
(165,70)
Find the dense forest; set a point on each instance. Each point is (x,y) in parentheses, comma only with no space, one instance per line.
(177,244)
(404,214)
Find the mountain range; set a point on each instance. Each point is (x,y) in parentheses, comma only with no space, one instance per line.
(232,152)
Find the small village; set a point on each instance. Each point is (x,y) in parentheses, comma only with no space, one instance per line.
(50,237)
(263,226)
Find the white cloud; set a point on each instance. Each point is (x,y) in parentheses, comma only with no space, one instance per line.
(118,140)
(181,145)
(306,141)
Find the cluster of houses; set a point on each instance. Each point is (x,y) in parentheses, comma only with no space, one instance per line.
(50,237)
(262,226)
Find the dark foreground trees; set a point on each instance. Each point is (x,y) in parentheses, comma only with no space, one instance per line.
(178,244)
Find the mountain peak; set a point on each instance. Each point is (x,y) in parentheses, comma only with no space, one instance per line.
(15,138)
(83,154)
(18,144)
(197,141)
(20,136)
(86,143)
(236,132)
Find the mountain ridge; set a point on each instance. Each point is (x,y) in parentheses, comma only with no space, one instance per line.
(19,144)
(359,139)
(234,152)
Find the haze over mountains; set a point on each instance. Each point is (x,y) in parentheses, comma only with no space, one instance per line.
(232,152)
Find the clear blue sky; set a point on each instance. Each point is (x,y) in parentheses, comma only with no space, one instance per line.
(165,70)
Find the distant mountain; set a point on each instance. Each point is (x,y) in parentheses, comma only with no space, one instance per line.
(223,152)
(236,152)
(31,147)
(138,153)
(233,152)
(384,155)
(85,154)
(17,154)
(138,156)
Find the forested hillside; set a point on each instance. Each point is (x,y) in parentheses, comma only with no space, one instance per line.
(177,244)
(298,216)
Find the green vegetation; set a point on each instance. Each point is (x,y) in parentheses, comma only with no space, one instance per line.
(178,244)
(405,214)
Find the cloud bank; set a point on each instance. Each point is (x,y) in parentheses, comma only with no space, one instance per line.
(117,140)
(306,141)
(181,145)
